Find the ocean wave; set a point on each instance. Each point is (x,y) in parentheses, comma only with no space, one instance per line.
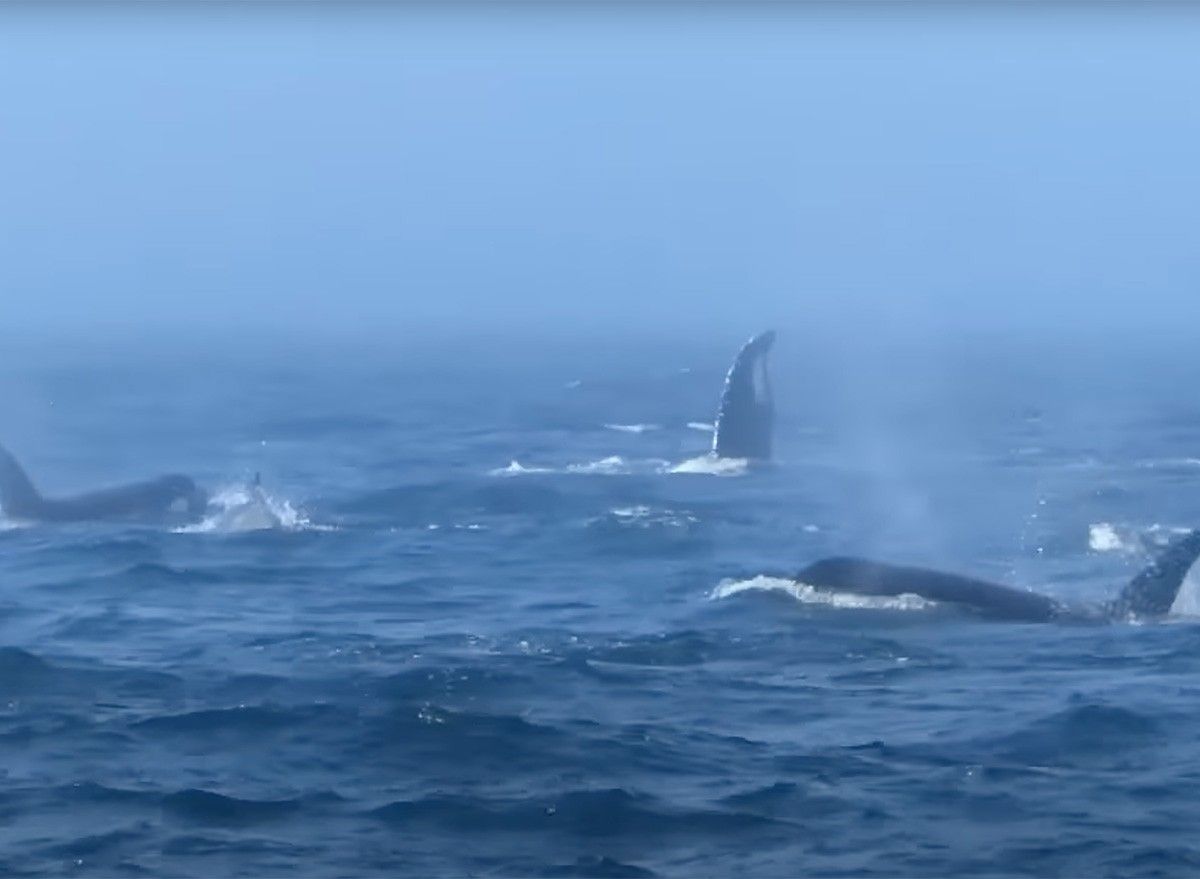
(643,530)
(602,867)
(644,517)
(1184,463)
(589,813)
(309,426)
(206,807)
(1081,733)
(97,845)
(806,594)
(244,719)
(26,674)
(462,681)
(21,666)
(7,524)
(674,649)
(787,799)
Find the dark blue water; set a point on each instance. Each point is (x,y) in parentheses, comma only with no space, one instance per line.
(423,659)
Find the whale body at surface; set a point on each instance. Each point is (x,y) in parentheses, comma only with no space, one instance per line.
(1151,593)
(165,496)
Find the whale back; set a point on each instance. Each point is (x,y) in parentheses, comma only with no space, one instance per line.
(166,495)
(989,600)
(152,498)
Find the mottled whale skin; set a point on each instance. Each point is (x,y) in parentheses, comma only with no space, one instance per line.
(164,497)
(1150,594)
(746,416)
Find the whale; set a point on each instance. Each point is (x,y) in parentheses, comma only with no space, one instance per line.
(1150,594)
(168,496)
(746,414)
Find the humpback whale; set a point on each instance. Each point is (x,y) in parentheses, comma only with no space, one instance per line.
(746,416)
(154,498)
(1150,594)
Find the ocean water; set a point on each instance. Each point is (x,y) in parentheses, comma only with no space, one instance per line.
(497,617)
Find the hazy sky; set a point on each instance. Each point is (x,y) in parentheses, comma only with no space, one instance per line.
(405,171)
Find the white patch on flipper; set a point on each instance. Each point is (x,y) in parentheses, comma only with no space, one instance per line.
(806,594)
(1187,599)
(703,426)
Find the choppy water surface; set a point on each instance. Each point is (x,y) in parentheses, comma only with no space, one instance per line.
(511,625)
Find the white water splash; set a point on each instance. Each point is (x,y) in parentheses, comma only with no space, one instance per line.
(1169,463)
(806,594)
(643,516)
(1103,537)
(516,468)
(1107,537)
(610,465)
(711,465)
(641,511)
(240,508)
(616,465)
(633,428)
(613,465)
(1161,535)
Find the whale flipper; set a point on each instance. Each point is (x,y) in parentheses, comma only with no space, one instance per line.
(18,497)
(746,417)
(1154,590)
